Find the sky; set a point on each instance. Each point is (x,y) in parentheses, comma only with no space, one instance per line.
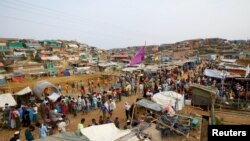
(110,24)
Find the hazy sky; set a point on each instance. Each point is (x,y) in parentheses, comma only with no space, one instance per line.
(121,23)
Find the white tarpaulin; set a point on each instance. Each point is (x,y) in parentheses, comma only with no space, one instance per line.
(218,74)
(7,98)
(19,53)
(131,69)
(214,73)
(51,58)
(104,132)
(169,98)
(107,64)
(228,60)
(53,97)
(24,91)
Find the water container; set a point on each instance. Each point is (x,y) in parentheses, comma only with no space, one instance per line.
(195,122)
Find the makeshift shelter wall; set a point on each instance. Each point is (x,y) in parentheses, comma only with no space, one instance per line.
(105,132)
(40,86)
(201,96)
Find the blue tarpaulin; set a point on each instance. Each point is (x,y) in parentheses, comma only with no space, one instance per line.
(2,81)
(66,72)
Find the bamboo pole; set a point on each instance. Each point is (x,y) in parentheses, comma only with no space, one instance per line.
(132,115)
(173,129)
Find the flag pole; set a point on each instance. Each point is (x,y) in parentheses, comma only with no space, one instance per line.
(133,112)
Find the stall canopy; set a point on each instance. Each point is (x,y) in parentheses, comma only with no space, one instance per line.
(149,105)
(218,74)
(7,98)
(169,98)
(105,132)
(23,91)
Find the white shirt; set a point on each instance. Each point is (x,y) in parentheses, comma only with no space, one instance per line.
(62,126)
(127,107)
(112,105)
(35,109)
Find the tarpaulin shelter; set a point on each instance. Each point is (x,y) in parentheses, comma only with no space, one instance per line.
(104,132)
(218,74)
(149,105)
(17,77)
(51,58)
(40,87)
(53,97)
(7,98)
(24,91)
(169,98)
(23,96)
(66,72)
(65,136)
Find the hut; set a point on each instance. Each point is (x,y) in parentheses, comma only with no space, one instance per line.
(44,88)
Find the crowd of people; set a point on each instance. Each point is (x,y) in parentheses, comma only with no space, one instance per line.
(103,95)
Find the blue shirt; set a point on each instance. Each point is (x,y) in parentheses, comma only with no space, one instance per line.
(31,113)
(42,131)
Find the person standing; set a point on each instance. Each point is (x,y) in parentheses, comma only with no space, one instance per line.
(35,109)
(17,119)
(12,118)
(6,114)
(59,88)
(104,110)
(43,109)
(127,110)
(63,107)
(112,107)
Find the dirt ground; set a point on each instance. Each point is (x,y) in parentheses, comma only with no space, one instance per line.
(16,86)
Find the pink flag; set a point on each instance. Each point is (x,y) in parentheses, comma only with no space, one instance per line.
(138,58)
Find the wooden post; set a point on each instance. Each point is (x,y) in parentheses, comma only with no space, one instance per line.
(173,129)
(247,90)
(212,110)
(132,115)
